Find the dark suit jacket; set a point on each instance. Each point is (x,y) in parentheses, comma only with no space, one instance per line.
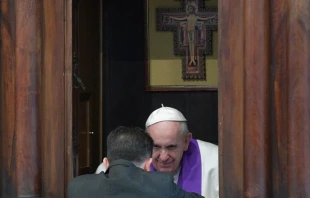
(124,180)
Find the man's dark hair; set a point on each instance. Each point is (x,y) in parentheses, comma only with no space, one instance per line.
(128,143)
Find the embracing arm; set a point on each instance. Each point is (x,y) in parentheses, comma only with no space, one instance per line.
(101,168)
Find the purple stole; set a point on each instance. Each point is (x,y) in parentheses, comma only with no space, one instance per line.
(190,173)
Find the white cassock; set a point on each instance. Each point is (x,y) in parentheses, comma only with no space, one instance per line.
(208,177)
(210,169)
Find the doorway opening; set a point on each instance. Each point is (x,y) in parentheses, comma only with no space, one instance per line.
(87,86)
(109,45)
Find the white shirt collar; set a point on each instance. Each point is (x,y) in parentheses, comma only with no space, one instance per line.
(176,176)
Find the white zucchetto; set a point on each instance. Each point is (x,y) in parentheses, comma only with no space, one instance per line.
(164,114)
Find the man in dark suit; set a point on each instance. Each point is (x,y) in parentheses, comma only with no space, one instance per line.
(128,161)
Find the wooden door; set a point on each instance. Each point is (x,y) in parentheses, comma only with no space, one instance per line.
(86,87)
(264,95)
(35,107)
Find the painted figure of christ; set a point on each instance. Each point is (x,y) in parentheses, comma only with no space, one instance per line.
(191,19)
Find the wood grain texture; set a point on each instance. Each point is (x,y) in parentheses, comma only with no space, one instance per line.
(33,99)
(7,64)
(278,95)
(28,60)
(68,94)
(20,60)
(291,96)
(53,98)
(256,98)
(273,98)
(298,99)
(231,97)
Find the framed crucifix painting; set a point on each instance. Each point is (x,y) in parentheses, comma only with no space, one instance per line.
(181,45)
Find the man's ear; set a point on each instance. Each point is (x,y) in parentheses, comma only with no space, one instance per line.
(188,138)
(147,165)
(106,162)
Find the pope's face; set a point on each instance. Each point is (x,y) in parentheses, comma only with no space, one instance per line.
(169,145)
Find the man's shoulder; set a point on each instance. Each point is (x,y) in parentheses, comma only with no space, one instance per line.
(160,175)
(134,181)
(85,180)
(164,186)
(90,185)
(156,178)
(88,176)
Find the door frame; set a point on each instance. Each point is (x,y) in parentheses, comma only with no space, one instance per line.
(68,94)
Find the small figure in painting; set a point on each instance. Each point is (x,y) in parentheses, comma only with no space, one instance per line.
(191,19)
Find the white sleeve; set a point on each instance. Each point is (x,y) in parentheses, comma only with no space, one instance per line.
(101,168)
(210,169)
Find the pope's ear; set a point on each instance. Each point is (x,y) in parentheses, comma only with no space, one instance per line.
(106,162)
(147,165)
(187,140)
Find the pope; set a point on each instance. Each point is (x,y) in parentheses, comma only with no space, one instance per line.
(192,162)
